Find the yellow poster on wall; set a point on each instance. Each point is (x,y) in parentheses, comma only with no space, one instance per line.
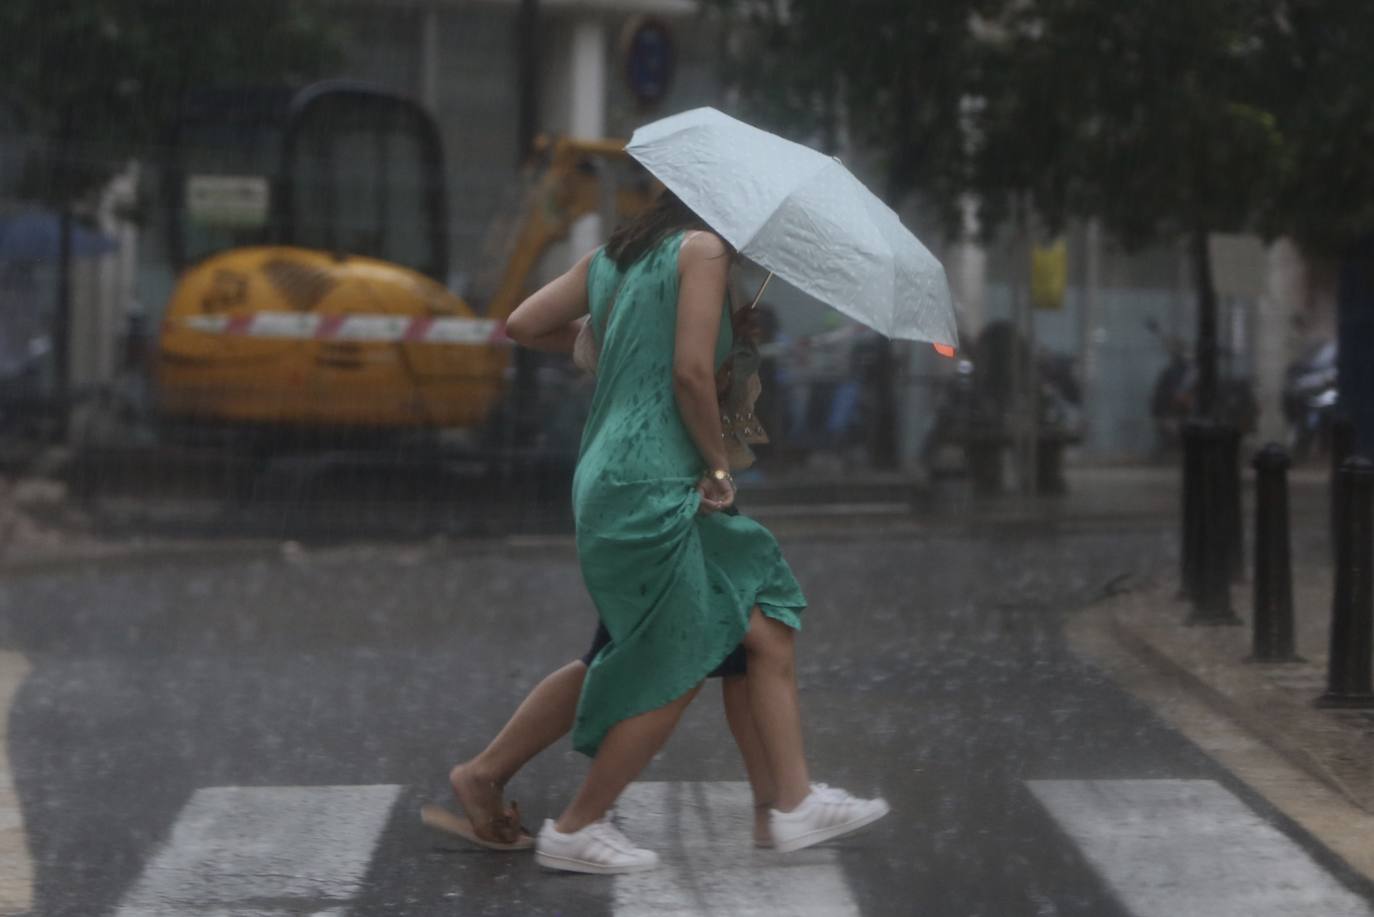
(1049,274)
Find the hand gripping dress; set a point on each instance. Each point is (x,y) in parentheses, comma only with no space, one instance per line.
(674,588)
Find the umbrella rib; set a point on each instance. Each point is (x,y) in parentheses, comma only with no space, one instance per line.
(785,198)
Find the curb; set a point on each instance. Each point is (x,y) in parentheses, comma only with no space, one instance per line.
(1249,719)
(1327,816)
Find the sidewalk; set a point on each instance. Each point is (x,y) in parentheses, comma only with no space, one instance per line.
(1316,766)
(1120,496)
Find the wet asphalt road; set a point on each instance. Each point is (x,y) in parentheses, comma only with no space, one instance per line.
(933,671)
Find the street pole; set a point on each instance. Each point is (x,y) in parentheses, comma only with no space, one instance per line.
(1032,465)
(1025,373)
(527,78)
(62,326)
(429,56)
(1092,280)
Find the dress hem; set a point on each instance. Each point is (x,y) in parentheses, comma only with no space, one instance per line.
(677,690)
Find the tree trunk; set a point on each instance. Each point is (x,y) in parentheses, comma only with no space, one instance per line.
(62,327)
(1206,353)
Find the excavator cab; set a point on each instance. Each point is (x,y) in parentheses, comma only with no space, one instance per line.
(340,167)
(221,177)
(311,234)
(363,174)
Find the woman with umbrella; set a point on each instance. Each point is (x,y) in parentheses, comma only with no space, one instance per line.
(679,584)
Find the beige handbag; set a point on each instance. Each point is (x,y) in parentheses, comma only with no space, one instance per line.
(738,388)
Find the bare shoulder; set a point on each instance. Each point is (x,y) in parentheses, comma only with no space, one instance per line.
(701,248)
(583,265)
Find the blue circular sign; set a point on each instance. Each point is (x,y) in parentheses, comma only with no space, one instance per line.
(650,59)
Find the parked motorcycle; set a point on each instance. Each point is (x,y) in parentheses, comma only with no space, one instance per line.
(1174,396)
(1311,400)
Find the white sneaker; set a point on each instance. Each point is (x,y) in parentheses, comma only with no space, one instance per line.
(599,849)
(829,812)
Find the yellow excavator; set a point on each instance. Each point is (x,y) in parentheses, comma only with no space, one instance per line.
(311,231)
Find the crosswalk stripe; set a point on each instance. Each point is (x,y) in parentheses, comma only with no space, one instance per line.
(1174,847)
(16,863)
(264,852)
(703,834)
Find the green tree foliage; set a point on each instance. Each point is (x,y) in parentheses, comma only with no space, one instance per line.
(102,79)
(1149,115)
(1161,118)
(1320,84)
(897,74)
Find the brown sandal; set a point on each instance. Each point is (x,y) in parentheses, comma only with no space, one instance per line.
(507,825)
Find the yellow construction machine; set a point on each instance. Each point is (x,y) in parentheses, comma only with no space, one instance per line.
(312,234)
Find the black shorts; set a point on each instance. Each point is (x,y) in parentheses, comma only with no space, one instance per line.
(734,664)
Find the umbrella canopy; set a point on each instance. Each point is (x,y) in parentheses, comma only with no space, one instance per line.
(802,215)
(36,236)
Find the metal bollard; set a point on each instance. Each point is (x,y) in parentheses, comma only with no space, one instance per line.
(1193,434)
(1213,532)
(1273,620)
(1342,447)
(1348,677)
(1230,479)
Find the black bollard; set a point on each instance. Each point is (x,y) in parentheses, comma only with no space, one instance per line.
(1273,622)
(1348,676)
(1193,433)
(1211,594)
(1342,447)
(1230,479)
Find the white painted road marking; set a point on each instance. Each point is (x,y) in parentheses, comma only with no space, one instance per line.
(16,865)
(264,852)
(703,833)
(1190,848)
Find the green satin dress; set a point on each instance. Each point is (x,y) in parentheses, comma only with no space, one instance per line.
(674,588)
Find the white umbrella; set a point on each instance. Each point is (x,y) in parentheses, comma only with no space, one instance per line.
(805,217)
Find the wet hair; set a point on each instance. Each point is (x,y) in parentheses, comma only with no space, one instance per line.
(640,235)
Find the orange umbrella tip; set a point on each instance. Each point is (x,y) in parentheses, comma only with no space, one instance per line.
(944,350)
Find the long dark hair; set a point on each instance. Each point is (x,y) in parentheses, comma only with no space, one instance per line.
(641,234)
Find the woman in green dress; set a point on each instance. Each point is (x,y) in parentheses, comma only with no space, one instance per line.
(678,583)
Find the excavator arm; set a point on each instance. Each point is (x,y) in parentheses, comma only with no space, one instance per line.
(571,184)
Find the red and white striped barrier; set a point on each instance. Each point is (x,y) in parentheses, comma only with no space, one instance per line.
(303,326)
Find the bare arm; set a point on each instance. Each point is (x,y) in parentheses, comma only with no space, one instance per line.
(548,319)
(702,265)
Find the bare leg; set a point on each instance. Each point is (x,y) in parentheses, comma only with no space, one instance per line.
(542,718)
(626,750)
(738,713)
(777,711)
